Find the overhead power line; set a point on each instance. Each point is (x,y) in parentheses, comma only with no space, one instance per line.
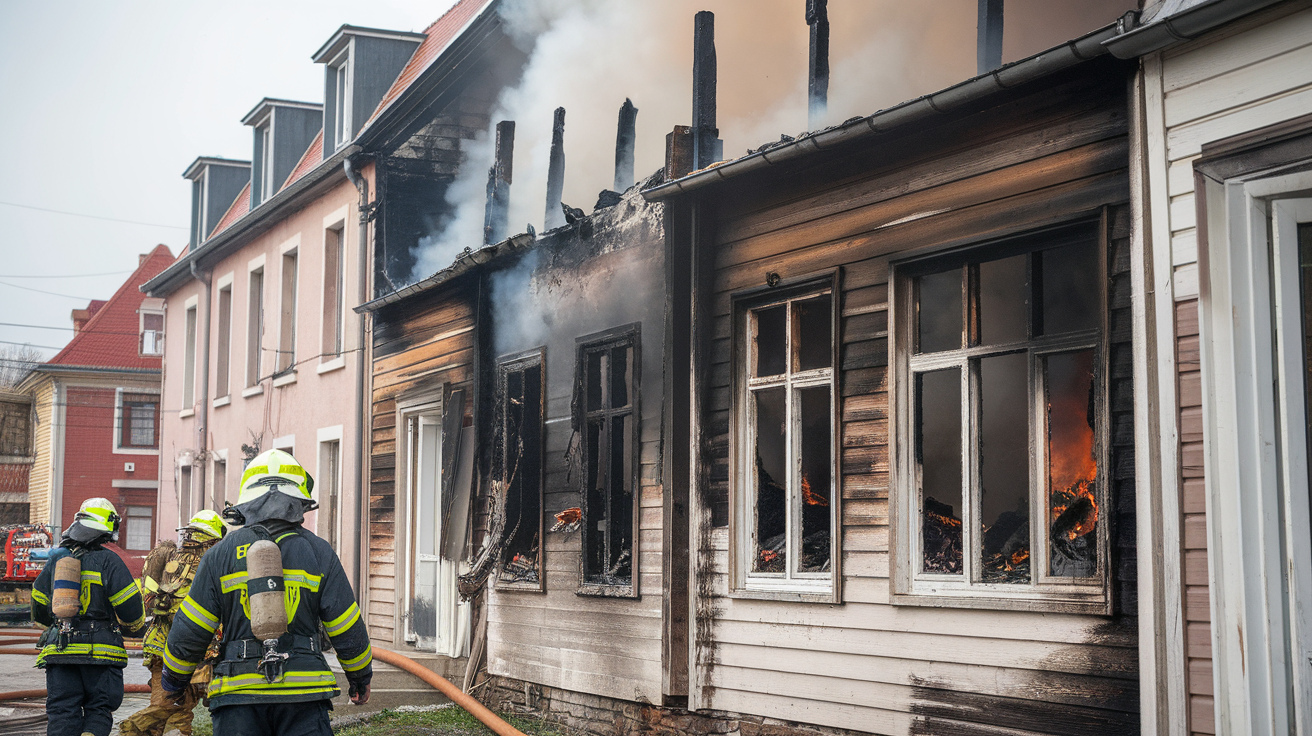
(91,217)
(43,291)
(65,276)
(67,329)
(30,345)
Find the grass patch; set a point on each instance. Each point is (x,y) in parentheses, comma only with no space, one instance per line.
(445,722)
(200,721)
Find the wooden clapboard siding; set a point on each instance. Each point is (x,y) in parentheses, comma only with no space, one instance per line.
(1036,159)
(421,344)
(1250,74)
(40,481)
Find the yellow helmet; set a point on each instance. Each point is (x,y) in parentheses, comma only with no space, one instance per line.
(207,522)
(275,469)
(99,514)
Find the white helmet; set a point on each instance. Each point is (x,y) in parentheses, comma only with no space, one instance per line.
(98,514)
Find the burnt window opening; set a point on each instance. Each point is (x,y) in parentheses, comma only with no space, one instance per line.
(787,468)
(608,371)
(519,452)
(1002,356)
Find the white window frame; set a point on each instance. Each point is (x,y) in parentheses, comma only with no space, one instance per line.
(324,436)
(221,456)
(290,249)
(341,120)
(334,357)
(1044,592)
(191,355)
(254,383)
(265,130)
(119,449)
(128,516)
(222,352)
(812,587)
(286,443)
(157,335)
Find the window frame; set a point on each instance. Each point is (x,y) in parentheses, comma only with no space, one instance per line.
(816,587)
(190,332)
(255,308)
(120,420)
(128,524)
(332,337)
(289,283)
(518,363)
(630,334)
(224,293)
(1045,592)
(157,335)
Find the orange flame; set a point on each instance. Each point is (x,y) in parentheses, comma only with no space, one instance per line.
(1019,556)
(811,498)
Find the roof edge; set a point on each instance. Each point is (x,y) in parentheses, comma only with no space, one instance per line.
(1179,27)
(1069,54)
(272,102)
(464,263)
(329,47)
(202,161)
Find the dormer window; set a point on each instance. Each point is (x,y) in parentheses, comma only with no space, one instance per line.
(360,66)
(151,321)
(283,131)
(215,184)
(264,136)
(338,73)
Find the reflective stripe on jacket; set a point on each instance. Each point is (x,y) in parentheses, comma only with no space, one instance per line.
(109,599)
(316,591)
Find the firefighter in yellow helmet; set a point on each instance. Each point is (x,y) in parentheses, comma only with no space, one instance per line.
(83,656)
(286,687)
(167,577)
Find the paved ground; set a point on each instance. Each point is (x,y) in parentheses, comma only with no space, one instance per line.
(17,673)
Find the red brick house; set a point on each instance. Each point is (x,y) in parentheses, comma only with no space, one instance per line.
(96,414)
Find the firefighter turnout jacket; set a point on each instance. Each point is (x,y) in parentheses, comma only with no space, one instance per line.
(108,592)
(165,596)
(316,590)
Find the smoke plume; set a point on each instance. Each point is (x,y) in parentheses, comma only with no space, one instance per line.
(589,55)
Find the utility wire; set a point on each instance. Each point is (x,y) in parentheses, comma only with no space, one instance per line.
(42,291)
(70,329)
(30,345)
(67,276)
(92,217)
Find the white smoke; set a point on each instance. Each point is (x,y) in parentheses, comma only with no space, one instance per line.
(589,55)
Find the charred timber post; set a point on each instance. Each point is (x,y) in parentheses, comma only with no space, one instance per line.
(625,138)
(708,147)
(499,178)
(555,216)
(678,152)
(817,17)
(988,51)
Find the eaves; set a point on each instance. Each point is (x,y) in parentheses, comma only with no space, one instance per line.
(1179,26)
(908,113)
(464,263)
(323,177)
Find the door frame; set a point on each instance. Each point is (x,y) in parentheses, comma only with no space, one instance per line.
(428,402)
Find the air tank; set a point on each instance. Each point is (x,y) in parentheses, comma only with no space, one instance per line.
(264,590)
(65,601)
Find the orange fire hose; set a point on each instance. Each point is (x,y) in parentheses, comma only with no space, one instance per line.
(25,694)
(457,696)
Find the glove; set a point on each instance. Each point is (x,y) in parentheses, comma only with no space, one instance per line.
(175,688)
(358,689)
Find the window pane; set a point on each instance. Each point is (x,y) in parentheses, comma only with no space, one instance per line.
(938,303)
(1071,278)
(813,324)
(938,466)
(1072,469)
(597,362)
(523,470)
(619,554)
(771,482)
(142,424)
(817,477)
(621,375)
(1005,468)
(771,340)
(594,535)
(1004,300)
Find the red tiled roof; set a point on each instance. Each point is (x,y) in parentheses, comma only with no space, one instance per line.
(312,157)
(440,35)
(94,307)
(109,339)
(239,207)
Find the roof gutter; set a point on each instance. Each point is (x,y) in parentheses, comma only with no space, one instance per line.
(252,224)
(1181,26)
(913,111)
(466,262)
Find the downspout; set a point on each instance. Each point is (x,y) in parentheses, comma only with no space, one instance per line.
(359,573)
(203,421)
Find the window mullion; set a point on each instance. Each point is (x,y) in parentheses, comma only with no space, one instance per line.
(1038,475)
(970,497)
(792,484)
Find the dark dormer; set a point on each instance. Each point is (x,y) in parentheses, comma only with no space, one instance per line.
(215,184)
(360,65)
(283,130)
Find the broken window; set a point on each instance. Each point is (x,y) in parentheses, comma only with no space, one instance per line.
(1005,399)
(519,461)
(607,420)
(787,464)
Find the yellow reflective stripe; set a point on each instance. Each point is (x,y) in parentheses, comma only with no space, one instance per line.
(302,578)
(108,652)
(344,621)
(181,666)
(283,536)
(232,582)
(91,576)
(358,663)
(201,617)
(253,471)
(292,683)
(125,594)
(40,597)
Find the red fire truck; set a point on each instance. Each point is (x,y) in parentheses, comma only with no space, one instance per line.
(26,548)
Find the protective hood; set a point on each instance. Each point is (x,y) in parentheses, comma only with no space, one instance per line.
(86,536)
(268,507)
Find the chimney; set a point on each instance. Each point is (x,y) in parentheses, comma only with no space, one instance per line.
(499,177)
(141,259)
(555,216)
(817,17)
(624,140)
(678,152)
(708,148)
(988,51)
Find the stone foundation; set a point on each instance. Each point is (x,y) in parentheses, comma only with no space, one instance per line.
(595,715)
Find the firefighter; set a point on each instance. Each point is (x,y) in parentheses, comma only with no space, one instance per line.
(283,686)
(83,656)
(163,597)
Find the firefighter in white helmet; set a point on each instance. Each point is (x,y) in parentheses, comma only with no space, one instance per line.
(84,656)
(168,574)
(284,689)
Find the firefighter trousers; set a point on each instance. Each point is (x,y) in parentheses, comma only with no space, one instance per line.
(162,715)
(275,719)
(82,698)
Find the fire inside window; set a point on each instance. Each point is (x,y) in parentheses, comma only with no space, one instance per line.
(608,421)
(520,392)
(140,418)
(789,405)
(1005,397)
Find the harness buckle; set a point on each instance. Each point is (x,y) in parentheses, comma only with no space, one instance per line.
(273,662)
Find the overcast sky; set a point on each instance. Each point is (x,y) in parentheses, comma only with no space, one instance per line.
(106,103)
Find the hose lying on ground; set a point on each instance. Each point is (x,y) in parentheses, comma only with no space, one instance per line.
(25,694)
(457,696)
